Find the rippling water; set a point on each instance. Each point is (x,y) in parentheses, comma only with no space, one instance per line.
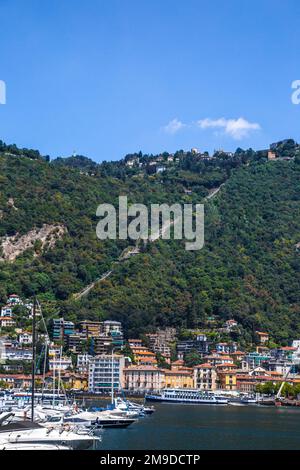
(201,427)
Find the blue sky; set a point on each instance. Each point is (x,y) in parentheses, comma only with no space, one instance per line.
(109,77)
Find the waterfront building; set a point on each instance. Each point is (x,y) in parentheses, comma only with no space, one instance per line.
(247,383)
(144,379)
(226,377)
(105,370)
(179,377)
(205,377)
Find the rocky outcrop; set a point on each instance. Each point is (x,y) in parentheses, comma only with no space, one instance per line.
(46,236)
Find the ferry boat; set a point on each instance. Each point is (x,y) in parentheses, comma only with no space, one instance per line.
(183,395)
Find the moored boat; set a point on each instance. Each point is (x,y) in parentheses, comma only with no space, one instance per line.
(177,395)
(33,433)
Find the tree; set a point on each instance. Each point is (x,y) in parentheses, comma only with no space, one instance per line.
(192,358)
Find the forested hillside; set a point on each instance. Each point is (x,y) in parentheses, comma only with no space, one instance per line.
(249,268)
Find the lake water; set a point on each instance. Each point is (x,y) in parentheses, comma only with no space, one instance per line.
(202,427)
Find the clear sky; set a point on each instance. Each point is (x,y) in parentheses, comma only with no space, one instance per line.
(110,77)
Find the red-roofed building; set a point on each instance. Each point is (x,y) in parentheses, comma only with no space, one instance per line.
(247,383)
(7,322)
(230,324)
(216,359)
(237,356)
(205,377)
(262,337)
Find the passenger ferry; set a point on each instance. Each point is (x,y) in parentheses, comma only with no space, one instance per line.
(183,395)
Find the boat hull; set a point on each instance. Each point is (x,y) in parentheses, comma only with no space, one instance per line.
(200,401)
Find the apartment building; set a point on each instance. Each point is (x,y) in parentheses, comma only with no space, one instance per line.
(105,371)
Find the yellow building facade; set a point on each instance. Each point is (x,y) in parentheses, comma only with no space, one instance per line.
(178,379)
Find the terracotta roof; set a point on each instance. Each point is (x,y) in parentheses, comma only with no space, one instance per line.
(145,353)
(177,372)
(149,359)
(137,368)
(206,365)
(18,376)
(226,364)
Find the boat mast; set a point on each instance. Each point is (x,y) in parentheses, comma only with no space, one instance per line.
(59,373)
(112,376)
(33,359)
(53,389)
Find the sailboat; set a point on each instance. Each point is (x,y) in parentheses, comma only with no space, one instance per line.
(33,434)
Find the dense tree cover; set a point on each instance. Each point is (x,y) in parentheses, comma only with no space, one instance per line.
(79,162)
(248,269)
(24,152)
(288,390)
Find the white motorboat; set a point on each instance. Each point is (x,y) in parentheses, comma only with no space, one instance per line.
(33,433)
(21,446)
(126,405)
(101,419)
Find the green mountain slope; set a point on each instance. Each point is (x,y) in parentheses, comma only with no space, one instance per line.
(248,269)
